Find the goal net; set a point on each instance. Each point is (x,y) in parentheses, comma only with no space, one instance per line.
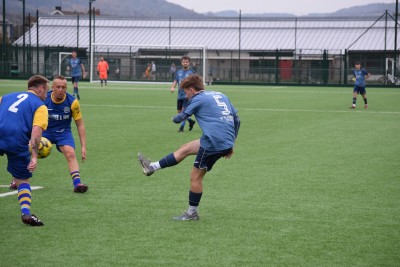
(63,60)
(145,63)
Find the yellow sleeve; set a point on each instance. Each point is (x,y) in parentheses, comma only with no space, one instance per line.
(0,99)
(41,117)
(76,110)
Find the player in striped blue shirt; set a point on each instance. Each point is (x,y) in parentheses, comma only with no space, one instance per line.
(220,123)
(23,117)
(182,100)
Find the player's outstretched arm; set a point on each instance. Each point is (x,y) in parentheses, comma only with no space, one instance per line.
(83,71)
(236,121)
(80,125)
(173,86)
(180,117)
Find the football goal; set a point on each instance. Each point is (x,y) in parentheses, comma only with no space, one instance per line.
(63,59)
(63,62)
(145,63)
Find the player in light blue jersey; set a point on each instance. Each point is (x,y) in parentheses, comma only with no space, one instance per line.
(182,100)
(360,75)
(23,117)
(220,123)
(63,108)
(77,69)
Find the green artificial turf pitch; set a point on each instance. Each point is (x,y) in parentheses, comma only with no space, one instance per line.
(311,183)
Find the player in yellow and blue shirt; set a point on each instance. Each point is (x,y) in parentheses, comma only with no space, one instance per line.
(63,108)
(23,117)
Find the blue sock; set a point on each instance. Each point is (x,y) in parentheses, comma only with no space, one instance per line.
(168,161)
(76,178)
(183,124)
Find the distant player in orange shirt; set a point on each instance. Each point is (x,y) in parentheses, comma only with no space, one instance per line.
(103,70)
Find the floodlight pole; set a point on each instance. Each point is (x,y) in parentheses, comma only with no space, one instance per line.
(94,25)
(23,35)
(90,31)
(395,36)
(37,41)
(240,39)
(3,52)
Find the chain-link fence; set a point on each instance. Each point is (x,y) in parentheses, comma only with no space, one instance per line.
(303,67)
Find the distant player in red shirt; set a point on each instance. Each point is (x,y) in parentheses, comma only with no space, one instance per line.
(103,70)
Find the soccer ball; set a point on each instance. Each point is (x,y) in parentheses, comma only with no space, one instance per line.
(44,148)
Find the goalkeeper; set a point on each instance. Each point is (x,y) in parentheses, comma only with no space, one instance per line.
(103,70)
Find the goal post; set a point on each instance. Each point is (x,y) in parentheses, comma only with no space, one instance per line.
(130,62)
(63,59)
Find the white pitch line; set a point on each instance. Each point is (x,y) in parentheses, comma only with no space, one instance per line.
(256,109)
(322,111)
(127,106)
(16,191)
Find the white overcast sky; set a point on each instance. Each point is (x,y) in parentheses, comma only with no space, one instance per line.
(296,7)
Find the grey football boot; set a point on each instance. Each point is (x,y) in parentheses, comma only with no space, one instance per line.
(186,217)
(145,163)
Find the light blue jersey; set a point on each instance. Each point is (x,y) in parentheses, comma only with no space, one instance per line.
(216,117)
(179,76)
(360,77)
(75,65)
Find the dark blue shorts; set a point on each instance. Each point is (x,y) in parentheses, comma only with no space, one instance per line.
(60,138)
(359,90)
(206,159)
(18,164)
(181,103)
(75,79)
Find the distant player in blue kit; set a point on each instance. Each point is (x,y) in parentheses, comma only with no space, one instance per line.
(62,108)
(220,123)
(23,117)
(182,99)
(77,69)
(360,75)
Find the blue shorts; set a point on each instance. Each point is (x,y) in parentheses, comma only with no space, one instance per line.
(60,138)
(206,159)
(181,103)
(359,89)
(18,164)
(75,79)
